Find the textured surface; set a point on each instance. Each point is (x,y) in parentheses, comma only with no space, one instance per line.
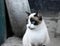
(58,26)
(48,5)
(17,15)
(13,41)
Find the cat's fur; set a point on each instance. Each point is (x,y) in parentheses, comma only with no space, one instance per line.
(36,34)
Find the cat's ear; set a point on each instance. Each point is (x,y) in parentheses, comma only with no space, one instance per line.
(27,13)
(40,18)
(36,14)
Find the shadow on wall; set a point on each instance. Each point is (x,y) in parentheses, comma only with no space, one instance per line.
(8,24)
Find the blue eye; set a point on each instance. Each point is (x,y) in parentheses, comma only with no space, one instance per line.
(36,23)
(33,22)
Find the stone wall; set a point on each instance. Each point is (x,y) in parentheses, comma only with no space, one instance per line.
(53,25)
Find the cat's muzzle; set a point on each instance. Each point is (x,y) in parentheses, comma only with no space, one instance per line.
(31,28)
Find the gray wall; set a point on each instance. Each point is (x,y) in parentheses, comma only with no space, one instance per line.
(17,15)
(45,5)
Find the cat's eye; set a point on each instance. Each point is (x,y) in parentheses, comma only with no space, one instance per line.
(36,23)
(33,21)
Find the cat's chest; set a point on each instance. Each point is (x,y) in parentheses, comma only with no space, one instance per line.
(36,36)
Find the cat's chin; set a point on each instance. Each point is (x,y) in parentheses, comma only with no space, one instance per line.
(31,28)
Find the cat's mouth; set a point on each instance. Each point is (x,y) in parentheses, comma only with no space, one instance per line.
(31,28)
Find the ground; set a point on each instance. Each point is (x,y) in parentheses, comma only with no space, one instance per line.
(54,41)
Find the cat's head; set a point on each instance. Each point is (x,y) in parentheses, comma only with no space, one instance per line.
(34,19)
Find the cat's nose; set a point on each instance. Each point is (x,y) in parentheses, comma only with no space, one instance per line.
(33,22)
(28,26)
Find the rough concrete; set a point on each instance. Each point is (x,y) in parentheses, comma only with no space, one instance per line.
(16,10)
(14,41)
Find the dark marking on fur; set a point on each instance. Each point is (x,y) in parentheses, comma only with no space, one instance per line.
(40,18)
(28,13)
(33,21)
(36,15)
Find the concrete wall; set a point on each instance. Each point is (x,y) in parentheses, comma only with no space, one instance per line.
(17,15)
(53,25)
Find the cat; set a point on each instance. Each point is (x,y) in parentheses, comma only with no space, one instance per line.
(36,33)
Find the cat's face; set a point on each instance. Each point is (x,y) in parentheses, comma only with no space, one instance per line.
(34,19)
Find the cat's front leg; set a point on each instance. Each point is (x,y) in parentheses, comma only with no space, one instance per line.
(26,43)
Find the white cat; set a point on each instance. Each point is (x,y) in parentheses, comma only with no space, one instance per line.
(36,33)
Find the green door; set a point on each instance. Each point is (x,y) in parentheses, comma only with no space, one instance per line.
(2,22)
